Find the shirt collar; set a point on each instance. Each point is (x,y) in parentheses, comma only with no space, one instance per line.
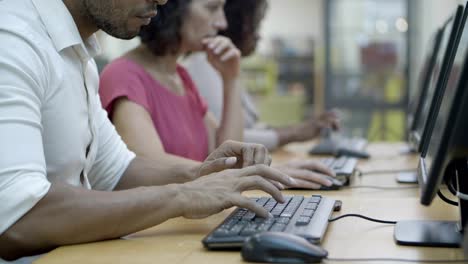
(62,28)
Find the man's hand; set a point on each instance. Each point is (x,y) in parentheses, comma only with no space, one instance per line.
(223,56)
(218,191)
(233,154)
(311,128)
(330,119)
(309,174)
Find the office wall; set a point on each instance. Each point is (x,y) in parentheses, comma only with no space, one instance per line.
(427,16)
(292,19)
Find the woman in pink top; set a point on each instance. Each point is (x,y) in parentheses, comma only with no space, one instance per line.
(152,100)
(156,107)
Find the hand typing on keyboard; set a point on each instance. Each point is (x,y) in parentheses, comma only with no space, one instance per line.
(218,191)
(309,129)
(309,174)
(232,154)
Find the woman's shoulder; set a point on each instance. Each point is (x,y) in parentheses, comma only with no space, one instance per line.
(122,66)
(185,76)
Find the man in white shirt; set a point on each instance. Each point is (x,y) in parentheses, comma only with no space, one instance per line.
(60,157)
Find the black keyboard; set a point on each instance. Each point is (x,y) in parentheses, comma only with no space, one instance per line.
(341,146)
(299,215)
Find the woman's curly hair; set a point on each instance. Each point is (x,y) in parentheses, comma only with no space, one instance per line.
(243,18)
(162,35)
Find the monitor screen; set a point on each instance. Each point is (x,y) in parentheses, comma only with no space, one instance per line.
(419,92)
(444,124)
(446,154)
(418,136)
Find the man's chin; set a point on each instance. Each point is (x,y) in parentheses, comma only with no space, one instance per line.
(126,35)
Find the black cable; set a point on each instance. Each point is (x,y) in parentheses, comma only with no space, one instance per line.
(397,260)
(364,173)
(363,217)
(445,199)
(379,187)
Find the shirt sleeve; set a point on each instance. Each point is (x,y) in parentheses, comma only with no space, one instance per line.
(113,156)
(23,180)
(122,79)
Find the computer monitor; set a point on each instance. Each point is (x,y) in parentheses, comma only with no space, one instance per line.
(438,79)
(418,95)
(446,157)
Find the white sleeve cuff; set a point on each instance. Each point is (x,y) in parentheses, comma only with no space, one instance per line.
(19,195)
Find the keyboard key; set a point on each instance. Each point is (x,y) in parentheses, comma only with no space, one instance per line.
(311,206)
(308,212)
(303,220)
(236,229)
(262,201)
(249,229)
(265,226)
(249,216)
(222,233)
(283,220)
(278,227)
(315,199)
(339,163)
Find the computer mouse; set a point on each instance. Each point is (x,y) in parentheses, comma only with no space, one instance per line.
(280,247)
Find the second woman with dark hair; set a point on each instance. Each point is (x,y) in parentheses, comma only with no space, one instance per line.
(152,100)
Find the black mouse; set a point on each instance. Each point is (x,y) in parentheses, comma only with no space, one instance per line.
(279,247)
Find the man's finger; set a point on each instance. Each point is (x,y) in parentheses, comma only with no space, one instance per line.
(260,155)
(308,185)
(218,165)
(268,160)
(248,156)
(268,173)
(309,176)
(259,183)
(246,203)
(317,166)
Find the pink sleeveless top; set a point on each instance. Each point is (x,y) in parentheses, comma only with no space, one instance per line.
(179,120)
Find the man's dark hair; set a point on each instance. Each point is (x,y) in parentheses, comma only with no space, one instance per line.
(243,18)
(162,35)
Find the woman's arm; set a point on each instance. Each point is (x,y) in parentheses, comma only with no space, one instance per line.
(136,128)
(225,58)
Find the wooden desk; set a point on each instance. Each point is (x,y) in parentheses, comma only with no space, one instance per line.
(179,240)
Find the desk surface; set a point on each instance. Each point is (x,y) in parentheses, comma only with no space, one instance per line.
(179,240)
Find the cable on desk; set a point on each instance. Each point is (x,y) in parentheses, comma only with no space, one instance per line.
(365,173)
(363,217)
(397,260)
(379,187)
(445,199)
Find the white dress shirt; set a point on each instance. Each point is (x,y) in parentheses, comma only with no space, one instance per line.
(210,86)
(52,125)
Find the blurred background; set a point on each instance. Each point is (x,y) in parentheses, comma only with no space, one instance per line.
(361,57)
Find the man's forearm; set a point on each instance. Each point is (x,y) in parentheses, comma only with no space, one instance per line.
(162,170)
(70,215)
(286,134)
